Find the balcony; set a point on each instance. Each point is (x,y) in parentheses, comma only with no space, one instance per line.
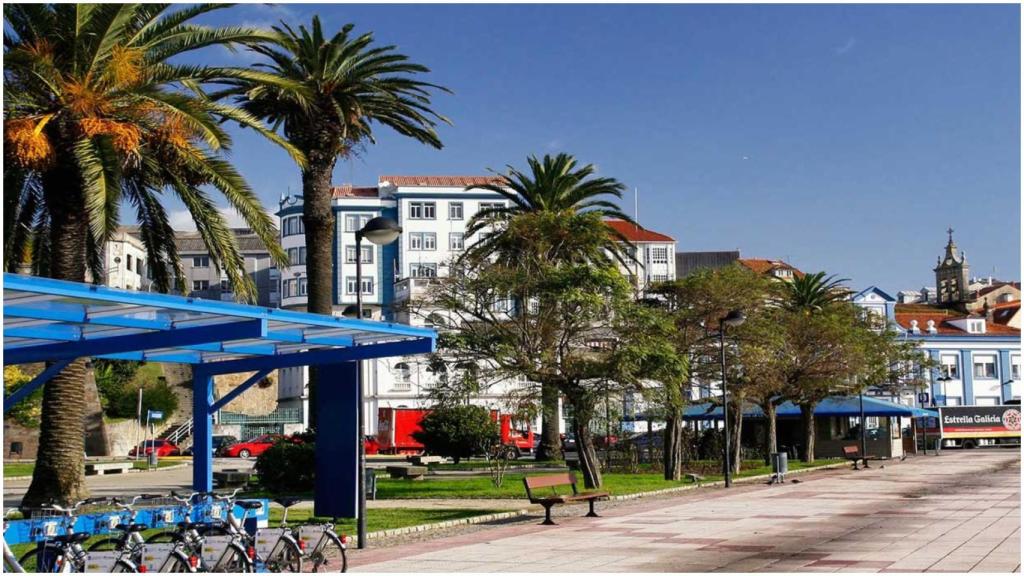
(412,288)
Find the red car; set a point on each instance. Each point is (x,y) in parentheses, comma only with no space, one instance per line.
(254,447)
(162,447)
(371,446)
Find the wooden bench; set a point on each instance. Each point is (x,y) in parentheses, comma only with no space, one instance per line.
(407,472)
(532,483)
(852,453)
(231,478)
(102,468)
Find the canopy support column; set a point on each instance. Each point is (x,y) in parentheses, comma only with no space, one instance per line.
(337,438)
(202,430)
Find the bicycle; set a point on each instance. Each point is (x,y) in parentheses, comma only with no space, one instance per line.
(10,560)
(274,549)
(129,544)
(178,549)
(62,553)
(324,547)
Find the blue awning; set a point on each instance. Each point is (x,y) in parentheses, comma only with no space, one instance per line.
(832,406)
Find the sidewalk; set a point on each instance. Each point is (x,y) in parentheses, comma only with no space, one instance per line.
(956,512)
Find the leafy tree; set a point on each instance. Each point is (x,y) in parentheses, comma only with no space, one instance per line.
(27,411)
(457,431)
(97,113)
(333,91)
(553,185)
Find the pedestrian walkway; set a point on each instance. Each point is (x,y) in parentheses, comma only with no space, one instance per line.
(956,512)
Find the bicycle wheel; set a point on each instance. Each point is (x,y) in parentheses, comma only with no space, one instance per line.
(237,561)
(105,544)
(165,537)
(178,563)
(331,556)
(289,560)
(123,566)
(29,561)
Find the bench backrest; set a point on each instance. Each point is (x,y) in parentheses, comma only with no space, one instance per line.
(549,481)
(850,450)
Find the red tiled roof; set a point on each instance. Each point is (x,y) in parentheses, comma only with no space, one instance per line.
(763,266)
(441,181)
(635,233)
(995,286)
(1005,312)
(923,313)
(350,191)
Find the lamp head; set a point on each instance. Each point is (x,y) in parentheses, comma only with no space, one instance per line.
(381,230)
(734,318)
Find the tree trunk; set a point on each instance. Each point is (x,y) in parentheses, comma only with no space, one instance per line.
(772,435)
(59,473)
(550,447)
(807,419)
(318,219)
(590,466)
(737,437)
(673,445)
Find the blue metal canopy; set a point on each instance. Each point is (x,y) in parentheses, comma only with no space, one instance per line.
(832,406)
(54,321)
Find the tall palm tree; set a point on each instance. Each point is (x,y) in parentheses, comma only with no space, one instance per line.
(345,85)
(98,113)
(554,185)
(814,292)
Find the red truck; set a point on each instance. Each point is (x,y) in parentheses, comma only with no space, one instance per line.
(395,427)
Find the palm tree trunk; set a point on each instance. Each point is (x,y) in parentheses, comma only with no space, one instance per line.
(59,473)
(318,219)
(807,418)
(550,447)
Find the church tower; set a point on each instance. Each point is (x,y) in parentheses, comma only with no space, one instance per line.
(952,275)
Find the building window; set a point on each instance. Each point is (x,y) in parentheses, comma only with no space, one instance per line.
(422,241)
(491,206)
(456,241)
(403,376)
(297,256)
(292,226)
(455,211)
(985,367)
(422,210)
(302,286)
(986,401)
(350,284)
(953,401)
(225,286)
(659,255)
(356,222)
(350,254)
(200,285)
(128,261)
(659,278)
(200,261)
(950,366)
(1015,367)
(423,270)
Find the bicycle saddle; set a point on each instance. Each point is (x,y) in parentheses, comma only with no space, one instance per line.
(77,537)
(192,525)
(131,527)
(249,504)
(287,502)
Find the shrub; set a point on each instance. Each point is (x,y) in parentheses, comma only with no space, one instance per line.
(118,383)
(710,444)
(28,411)
(457,431)
(287,467)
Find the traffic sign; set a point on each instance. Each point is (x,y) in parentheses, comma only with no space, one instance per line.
(922,397)
(155,415)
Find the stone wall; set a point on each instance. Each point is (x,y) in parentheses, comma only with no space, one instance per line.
(122,435)
(16,433)
(258,400)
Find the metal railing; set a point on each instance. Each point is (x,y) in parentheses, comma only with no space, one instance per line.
(182,432)
(286,416)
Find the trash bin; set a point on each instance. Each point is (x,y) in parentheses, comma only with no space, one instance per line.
(152,459)
(780,465)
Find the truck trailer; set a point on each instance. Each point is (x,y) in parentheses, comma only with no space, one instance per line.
(395,427)
(976,426)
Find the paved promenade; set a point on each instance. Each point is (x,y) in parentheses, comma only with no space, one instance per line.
(957,512)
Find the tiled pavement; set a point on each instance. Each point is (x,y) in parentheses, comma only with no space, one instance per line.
(957,512)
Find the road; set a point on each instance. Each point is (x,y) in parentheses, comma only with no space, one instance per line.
(956,512)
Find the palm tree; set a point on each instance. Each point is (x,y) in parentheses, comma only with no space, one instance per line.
(343,86)
(96,115)
(814,292)
(555,186)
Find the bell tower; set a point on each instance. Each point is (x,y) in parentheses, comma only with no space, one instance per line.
(952,275)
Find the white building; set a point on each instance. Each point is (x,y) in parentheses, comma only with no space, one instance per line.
(433,212)
(124,261)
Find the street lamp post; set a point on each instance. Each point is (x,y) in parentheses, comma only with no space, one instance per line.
(733,318)
(380,231)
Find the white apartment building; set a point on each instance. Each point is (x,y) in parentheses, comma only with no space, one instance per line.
(124,261)
(433,212)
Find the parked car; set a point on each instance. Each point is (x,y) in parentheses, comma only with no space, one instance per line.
(370,445)
(220,441)
(255,447)
(162,448)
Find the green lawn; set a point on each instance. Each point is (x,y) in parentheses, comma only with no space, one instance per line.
(512,487)
(25,468)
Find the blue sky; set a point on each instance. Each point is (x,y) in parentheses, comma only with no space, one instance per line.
(843,138)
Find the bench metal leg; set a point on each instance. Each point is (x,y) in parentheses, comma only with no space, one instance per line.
(547,516)
(592,514)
